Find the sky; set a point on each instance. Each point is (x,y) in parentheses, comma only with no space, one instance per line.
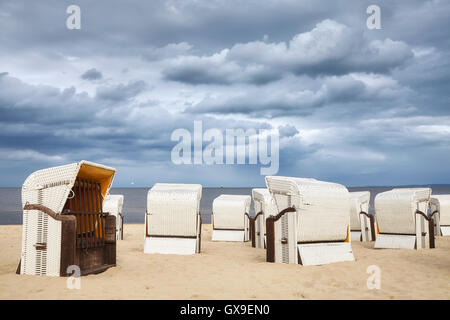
(352,105)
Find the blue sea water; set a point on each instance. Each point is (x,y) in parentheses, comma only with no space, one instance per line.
(136,199)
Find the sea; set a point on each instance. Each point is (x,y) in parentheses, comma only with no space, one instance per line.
(135,200)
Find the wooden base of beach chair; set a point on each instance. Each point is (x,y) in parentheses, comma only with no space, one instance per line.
(229,235)
(445,231)
(183,246)
(91,253)
(355,235)
(314,254)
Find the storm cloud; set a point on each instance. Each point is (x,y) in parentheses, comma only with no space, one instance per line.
(352,105)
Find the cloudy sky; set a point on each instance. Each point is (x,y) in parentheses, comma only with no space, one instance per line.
(352,105)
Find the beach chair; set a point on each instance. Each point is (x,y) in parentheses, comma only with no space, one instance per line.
(114,205)
(312,226)
(440,211)
(402,219)
(264,206)
(230,218)
(64,226)
(362,224)
(172,222)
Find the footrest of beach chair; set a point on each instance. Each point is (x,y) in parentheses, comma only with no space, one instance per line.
(228,235)
(395,241)
(170,245)
(313,254)
(355,235)
(445,230)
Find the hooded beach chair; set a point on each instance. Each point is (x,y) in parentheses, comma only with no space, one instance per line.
(172,222)
(230,218)
(114,205)
(440,211)
(264,207)
(63,221)
(362,224)
(313,223)
(402,219)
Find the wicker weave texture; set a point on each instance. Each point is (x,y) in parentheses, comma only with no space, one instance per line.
(229,211)
(323,207)
(395,209)
(442,204)
(173,209)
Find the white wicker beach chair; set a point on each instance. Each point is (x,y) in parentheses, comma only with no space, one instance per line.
(362,224)
(63,221)
(230,218)
(402,219)
(264,207)
(313,223)
(114,205)
(440,210)
(172,222)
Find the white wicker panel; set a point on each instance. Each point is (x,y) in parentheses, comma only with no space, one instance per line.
(228,235)
(53,247)
(114,204)
(170,246)
(29,239)
(323,207)
(173,211)
(355,235)
(445,230)
(395,209)
(443,206)
(54,184)
(394,241)
(323,253)
(229,211)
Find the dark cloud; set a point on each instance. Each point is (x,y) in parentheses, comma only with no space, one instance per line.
(287,131)
(330,48)
(92,74)
(121,92)
(352,105)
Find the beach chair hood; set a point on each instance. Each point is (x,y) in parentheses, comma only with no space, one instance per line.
(51,187)
(323,208)
(395,209)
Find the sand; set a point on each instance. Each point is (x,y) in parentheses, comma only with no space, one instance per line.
(227,270)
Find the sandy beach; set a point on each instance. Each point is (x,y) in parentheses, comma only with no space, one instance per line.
(234,271)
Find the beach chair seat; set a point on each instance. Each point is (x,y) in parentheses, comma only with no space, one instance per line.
(230,218)
(264,207)
(440,210)
(64,226)
(114,205)
(312,226)
(362,224)
(402,219)
(172,222)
